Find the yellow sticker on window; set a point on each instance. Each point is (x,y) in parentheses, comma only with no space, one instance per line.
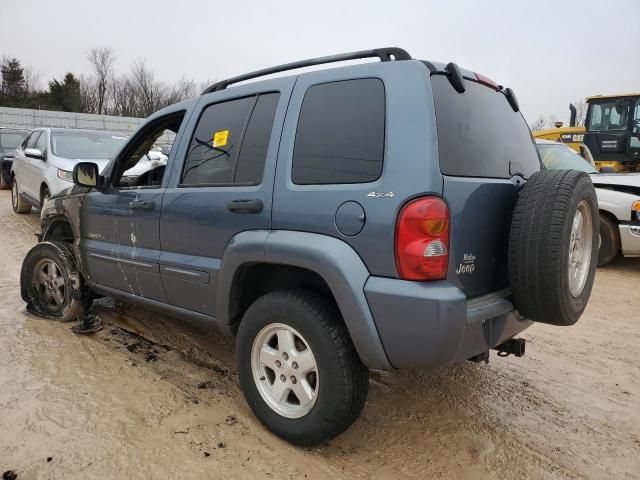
(220,138)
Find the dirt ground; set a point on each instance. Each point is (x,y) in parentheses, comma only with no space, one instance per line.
(144,398)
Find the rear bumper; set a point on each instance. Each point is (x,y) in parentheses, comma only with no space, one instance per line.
(630,240)
(433,325)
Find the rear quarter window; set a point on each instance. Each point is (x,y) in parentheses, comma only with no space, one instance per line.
(479,134)
(340,134)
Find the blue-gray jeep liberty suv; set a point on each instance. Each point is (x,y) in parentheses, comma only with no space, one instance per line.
(389,214)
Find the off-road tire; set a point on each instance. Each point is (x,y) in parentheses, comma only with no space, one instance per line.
(18,204)
(539,244)
(77,297)
(343,379)
(609,240)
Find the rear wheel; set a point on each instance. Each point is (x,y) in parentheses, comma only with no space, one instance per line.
(298,368)
(18,204)
(609,240)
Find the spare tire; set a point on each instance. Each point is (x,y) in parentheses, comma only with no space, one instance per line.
(553,246)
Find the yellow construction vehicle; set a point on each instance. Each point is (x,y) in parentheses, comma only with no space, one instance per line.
(611,133)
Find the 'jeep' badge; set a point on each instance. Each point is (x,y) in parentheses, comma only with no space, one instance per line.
(468,264)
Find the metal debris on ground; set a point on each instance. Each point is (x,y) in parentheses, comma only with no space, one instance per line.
(89,324)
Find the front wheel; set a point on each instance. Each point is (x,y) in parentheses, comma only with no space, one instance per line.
(609,240)
(18,204)
(298,368)
(51,283)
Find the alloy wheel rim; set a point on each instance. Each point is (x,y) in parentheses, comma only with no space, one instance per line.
(50,285)
(580,247)
(285,370)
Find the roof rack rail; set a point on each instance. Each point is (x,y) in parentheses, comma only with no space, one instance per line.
(384,54)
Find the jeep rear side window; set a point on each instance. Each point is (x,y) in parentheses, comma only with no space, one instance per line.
(479,135)
(340,136)
(230,142)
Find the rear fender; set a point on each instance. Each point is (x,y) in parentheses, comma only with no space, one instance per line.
(335,261)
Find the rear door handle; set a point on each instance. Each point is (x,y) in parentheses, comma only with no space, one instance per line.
(245,206)
(142,205)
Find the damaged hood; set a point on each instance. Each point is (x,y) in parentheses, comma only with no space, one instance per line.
(619,182)
(628,179)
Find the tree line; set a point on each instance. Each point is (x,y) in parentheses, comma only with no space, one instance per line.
(134,94)
(542,123)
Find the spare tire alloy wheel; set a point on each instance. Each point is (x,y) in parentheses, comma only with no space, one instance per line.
(285,370)
(553,246)
(580,248)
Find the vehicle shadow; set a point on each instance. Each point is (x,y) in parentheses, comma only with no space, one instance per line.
(624,265)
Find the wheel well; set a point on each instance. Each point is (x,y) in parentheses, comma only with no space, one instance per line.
(42,188)
(255,280)
(59,231)
(610,216)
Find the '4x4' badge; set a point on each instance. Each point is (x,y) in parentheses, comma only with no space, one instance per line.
(380,194)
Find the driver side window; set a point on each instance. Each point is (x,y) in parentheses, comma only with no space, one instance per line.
(143,162)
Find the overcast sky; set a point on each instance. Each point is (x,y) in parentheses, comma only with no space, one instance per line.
(549,52)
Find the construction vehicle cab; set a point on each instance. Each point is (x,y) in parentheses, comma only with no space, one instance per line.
(613,131)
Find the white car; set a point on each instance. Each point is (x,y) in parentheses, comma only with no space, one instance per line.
(43,165)
(618,200)
(44,162)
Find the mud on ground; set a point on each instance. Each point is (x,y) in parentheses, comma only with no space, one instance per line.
(144,398)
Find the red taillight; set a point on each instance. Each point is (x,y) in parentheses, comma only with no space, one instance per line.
(422,239)
(487,81)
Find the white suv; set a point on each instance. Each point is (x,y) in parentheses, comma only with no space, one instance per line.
(44,162)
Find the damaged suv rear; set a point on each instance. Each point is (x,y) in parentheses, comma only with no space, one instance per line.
(383,215)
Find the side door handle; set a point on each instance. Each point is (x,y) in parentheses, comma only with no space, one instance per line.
(245,206)
(142,205)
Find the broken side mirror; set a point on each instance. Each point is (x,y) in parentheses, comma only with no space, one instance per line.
(86,174)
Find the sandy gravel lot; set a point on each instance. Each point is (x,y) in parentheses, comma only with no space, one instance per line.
(144,398)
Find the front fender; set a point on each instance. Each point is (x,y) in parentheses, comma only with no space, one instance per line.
(335,261)
(616,203)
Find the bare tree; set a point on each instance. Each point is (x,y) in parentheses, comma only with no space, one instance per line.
(539,124)
(88,94)
(102,60)
(581,112)
(149,92)
(31,81)
(123,98)
(182,90)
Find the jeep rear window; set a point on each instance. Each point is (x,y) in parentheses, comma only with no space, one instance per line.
(479,134)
